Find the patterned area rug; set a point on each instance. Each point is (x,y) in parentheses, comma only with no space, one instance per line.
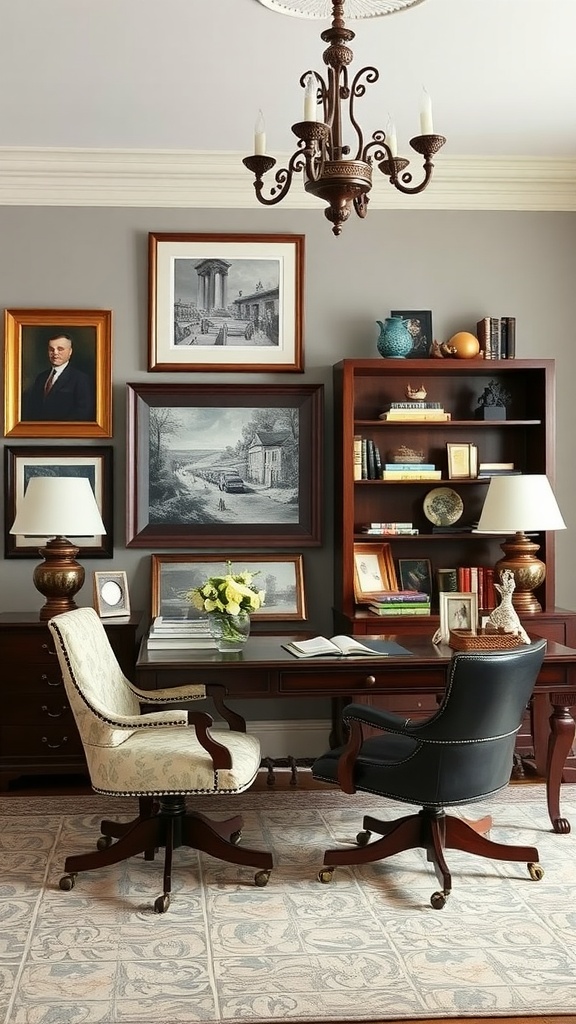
(367,946)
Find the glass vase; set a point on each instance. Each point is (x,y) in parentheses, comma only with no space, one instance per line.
(229,631)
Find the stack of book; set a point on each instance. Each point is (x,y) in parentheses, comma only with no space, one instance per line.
(384,529)
(401,602)
(411,471)
(497,337)
(415,411)
(487,469)
(179,634)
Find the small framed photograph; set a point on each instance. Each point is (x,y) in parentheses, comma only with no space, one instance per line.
(458,611)
(419,323)
(415,574)
(23,463)
(226,302)
(57,373)
(374,572)
(281,576)
(111,594)
(458,455)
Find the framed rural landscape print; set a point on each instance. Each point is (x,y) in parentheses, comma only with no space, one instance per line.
(280,575)
(226,302)
(57,373)
(21,464)
(211,464)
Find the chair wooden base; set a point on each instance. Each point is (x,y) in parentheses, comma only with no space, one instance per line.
(434,831)
(169,825)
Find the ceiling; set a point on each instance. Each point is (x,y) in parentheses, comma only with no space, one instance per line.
(192,74)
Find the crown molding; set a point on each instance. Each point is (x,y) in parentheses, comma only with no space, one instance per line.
(218,180)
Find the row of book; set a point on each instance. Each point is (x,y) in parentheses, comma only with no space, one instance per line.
(390,529)
(368,465)
(179,634)
(410,412)
(497,337)
(470,579)
(400,602)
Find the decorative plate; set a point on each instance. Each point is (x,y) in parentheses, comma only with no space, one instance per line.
(443,506)
(323,8)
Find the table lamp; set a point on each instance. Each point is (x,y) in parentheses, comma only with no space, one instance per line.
(53,506)
(519,505)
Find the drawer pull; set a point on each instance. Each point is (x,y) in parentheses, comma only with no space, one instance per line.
(48,650)
(55,714)
(45,679)
(55,746)
(370,681)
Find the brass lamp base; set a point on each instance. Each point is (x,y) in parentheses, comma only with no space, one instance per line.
(529,572)
(59,577)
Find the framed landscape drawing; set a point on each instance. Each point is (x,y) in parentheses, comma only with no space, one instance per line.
(225,302)
(57,373)
(281,576)
(21,464)
(233,464)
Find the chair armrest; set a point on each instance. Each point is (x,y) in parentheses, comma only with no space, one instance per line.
(201,721)
(378,718)
(170,694)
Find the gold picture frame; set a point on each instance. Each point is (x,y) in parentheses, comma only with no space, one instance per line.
(80,406)
(374,572)
(110,593)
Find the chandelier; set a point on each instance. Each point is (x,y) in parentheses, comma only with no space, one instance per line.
(331,172)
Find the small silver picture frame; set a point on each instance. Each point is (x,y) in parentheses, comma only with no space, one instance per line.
(111,598)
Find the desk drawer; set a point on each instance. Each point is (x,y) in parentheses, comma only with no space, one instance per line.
(40,741)
(39,708)
(248,683)
(357,679)
(26,647)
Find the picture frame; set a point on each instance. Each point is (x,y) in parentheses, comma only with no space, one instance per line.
(420,327)
(280,575)
(79,404)
(23,463)
(462,461)
(212,465)
(457,611)
(231,302)
(374,571)
(110,594)
(415,574)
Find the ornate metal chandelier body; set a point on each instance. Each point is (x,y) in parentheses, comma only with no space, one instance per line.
(331,171)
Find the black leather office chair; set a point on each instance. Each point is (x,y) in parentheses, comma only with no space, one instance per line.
(461,754)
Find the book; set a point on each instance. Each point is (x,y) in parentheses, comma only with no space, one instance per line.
(485,466)
(337,646)
(401,597)
(400,531)
(180,643)
(408,466)
(357,457)
(370,459)
(406,415)
(401,609)
(427,474)
(508,336)
(388,526)
(415,405)
(447,580)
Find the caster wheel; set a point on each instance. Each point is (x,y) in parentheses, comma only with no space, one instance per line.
(67,882)
(536,872)
(261,878)
(363,838)
(438,900)
(325,875)
(236,837)
(162,903)
(104,842)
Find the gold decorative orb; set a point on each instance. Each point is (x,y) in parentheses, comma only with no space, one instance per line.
(464,345)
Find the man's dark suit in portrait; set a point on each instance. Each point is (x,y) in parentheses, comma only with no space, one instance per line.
(61,392)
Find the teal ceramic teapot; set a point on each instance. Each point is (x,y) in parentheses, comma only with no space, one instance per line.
(395,340)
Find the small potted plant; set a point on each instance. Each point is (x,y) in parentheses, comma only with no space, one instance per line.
(228,601)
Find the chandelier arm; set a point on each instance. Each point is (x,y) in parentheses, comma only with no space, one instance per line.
(283,177)
(358,89)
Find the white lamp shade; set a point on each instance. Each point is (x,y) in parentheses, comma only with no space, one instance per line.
(58,506)
(520,504)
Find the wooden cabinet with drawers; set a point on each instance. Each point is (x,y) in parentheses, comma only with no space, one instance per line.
(38,735)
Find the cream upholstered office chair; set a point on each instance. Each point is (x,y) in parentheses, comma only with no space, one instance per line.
(165,755)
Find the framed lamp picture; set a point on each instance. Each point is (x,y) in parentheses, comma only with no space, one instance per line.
(57,373)
(280,575)
(224,465)
(457,611)
(226,302)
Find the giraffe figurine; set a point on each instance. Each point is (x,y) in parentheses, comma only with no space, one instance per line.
(504,618)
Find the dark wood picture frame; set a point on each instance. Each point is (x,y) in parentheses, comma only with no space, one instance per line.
(423,337)
(21,463)
(27,333)
(416,574)
(225,302)
(233,464)
(280,575)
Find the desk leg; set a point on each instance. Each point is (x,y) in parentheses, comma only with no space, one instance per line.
(562,728)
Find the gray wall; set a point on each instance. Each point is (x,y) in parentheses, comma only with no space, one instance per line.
(461,265)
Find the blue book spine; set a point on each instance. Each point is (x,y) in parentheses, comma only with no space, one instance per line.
(406,467)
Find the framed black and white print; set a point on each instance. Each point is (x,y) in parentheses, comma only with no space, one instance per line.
(232,464)
(23,463)
(279,575)
(225,302)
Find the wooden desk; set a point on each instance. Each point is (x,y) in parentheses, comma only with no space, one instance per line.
(265,669)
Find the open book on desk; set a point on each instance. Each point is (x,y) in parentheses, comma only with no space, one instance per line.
(337,646)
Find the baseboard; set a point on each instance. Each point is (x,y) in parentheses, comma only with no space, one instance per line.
(292,738)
